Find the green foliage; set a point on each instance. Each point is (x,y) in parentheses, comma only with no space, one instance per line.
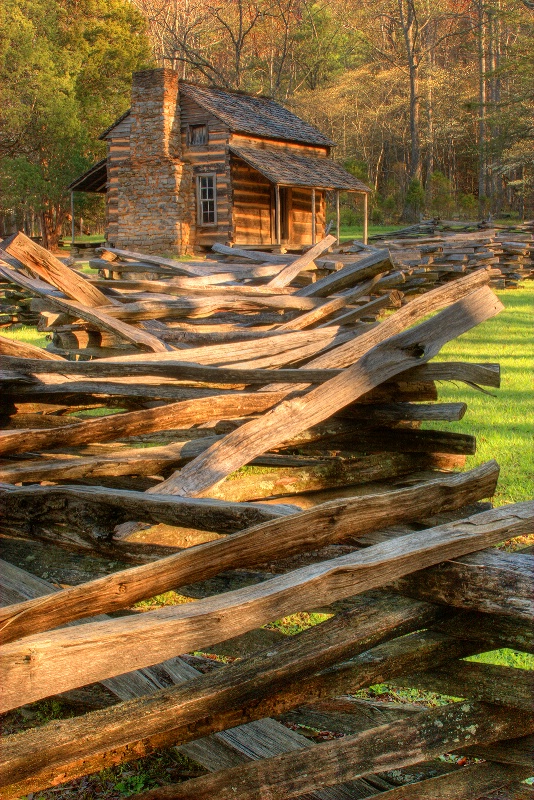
(505,658)
(65,73)
(441,197)
(414,200)
(468,206)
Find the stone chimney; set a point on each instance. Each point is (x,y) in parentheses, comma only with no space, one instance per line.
(155,202)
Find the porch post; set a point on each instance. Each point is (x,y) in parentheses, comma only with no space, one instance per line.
(314,233)
(72,215)
(278,221)
(337,216)
(365,218)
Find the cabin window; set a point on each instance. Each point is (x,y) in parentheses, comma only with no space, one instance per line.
(207,199)
(198,135)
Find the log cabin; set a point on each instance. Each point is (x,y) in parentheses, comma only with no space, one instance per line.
(189,165)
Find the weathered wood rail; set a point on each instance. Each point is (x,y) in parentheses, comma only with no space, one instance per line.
(365,522)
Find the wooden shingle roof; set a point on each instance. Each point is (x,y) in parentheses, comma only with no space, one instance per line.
(288,168)
(258,116)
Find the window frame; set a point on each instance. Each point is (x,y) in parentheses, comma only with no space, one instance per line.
(200,201)
(190,135)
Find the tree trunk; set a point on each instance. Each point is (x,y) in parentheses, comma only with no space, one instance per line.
(481,110)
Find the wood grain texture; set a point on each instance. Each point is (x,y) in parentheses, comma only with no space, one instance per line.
(329,307)
(392,746)
(508,686)
(40,261)
(37,665)
(173,369)
(383,362)
(361,270)
(258,687)
(409,314)
(468,783)
(290,272)
(330,522)
(493,582)
(133,423)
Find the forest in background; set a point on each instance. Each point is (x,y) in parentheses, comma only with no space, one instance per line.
(431,103)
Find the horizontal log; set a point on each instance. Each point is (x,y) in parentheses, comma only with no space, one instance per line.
(361,270)
(35,666)
(177,370)
(506,686)
(331,474)
(179,267)
(493,582)
(512,751)
(386,440)
(102,509)
(496,631)
(398,412)
(258,256)
(296,344)
(154,308)
(202,268)
(467,783)
(255,688)
(401,744)
(478,374)
(330,522)
(133,423)
(284,479)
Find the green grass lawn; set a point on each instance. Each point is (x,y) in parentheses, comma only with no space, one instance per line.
(502,423)
(348,232)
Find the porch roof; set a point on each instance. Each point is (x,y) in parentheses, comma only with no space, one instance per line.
(288,168)
(93,180)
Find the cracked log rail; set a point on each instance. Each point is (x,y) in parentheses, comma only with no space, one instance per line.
(264,685)
(388,747)
(133,423)
(38,665)
(312,529)
(397,354)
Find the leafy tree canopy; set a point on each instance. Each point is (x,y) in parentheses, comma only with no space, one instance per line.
(65,74)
